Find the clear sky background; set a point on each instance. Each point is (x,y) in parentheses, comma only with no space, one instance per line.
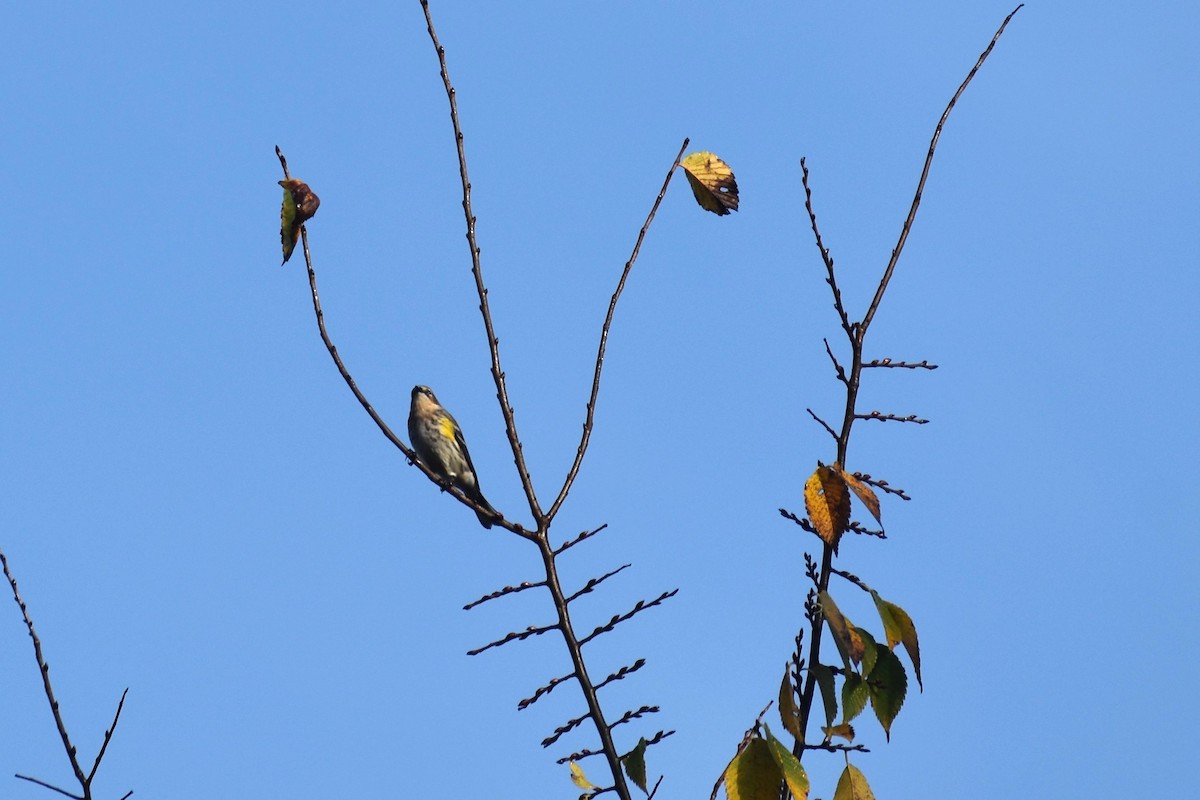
(197,508)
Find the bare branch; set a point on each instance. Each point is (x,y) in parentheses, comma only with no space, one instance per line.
(594,582)
(544,690)
(581,754)
(642,605)
(44,669)
(50,786)
(510,425)
(892,418)
(857,527)
(505,591)
(567,545)
(916,203)
(621,673)
(824,424)
(631,715)
(887,362)
(608,318)
(857,581)
(515,636)
(558,732)
(830,276)
(107,737)
(881,484)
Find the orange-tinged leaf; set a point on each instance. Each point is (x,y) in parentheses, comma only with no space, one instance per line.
(845,636)
(828,504)
(789,715)
(793,773)
(712,182)
(299,205)
(899,628)
(865,493)
(844,730)
(753,774)
(852,785)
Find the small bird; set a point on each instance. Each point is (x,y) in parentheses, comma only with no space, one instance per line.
(440,445)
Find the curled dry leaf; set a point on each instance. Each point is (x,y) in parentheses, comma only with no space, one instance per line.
(299,205)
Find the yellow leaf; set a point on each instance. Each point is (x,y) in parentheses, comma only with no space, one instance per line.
(753,774)
(852,785)
(788,713)
(579,779)
(712,182)
(299,205)
(865,493)
(898,627)
(844,730)
(827,503)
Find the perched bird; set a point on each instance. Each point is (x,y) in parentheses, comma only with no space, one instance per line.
(440,445)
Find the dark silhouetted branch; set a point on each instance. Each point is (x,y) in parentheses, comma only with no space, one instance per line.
(85,781)
(510,424)
(594,582)
(887,362)
(621,673)
(641,606)
(585,535)
(544,690)
(876,415)
(505,591)
(590,415)
(641,712)
(881,484)
(515,636)
(558,732)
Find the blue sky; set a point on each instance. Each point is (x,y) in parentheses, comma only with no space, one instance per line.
(196,507)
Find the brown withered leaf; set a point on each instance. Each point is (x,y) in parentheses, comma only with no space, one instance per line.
(299,205)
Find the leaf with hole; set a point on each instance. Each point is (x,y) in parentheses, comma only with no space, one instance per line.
(712,182)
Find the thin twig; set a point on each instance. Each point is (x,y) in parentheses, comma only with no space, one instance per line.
(912,211)
(830,276)
(510,424)
(608,318)
(50,786)
(44,669)
(824,424)
(362,398)
(107,737)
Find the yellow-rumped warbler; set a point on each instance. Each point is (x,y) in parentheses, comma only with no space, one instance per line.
(440,445)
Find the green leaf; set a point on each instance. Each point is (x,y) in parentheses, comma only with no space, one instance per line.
(789,715)
(852,785)
(898,626)
(854,696)
(848,643)
(753,774)
(870,651)
(887,684)
(824,676)
(635,765)
(789,765)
